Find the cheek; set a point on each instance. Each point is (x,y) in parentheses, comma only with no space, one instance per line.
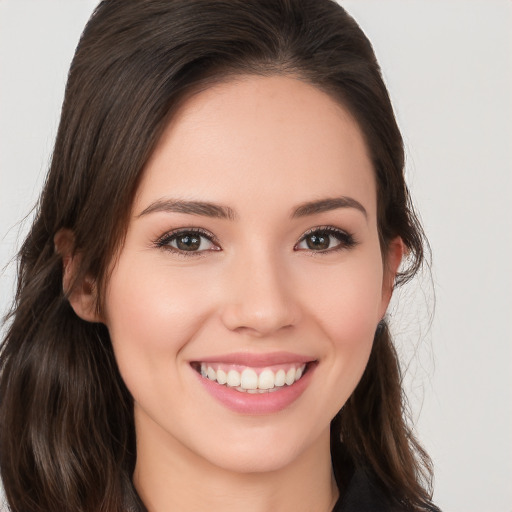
(347,309)
(150,317)
(348,302)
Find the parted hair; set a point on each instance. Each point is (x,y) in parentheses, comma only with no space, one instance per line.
(67,436)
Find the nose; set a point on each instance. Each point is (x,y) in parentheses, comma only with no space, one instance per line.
(260,299)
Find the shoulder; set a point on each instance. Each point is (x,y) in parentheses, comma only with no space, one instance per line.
(362,494)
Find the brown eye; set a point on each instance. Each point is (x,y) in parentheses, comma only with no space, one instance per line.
(325,240)
(188,242)
(318,241)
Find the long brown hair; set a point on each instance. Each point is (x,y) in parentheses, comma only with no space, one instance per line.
(67,438)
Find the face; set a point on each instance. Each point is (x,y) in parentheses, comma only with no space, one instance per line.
(243,304)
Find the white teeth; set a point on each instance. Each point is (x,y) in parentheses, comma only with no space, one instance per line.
(222,378)
(233,379)
(250,381)
(266,379)
(280,378)
(290,376)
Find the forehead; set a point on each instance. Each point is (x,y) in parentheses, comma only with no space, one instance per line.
(278,138)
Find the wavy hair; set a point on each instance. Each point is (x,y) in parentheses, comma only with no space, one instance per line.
(67,437)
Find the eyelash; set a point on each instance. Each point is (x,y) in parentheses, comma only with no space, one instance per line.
(346,240)
(164,241)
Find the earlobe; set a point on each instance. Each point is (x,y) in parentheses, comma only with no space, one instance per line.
(80,292)
(395,252)
(83,300)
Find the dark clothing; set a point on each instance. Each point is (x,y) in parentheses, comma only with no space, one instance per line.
(362,495)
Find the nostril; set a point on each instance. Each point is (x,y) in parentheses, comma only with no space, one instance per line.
(259,298)
(252,321)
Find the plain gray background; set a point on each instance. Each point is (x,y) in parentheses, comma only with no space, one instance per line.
(448,66)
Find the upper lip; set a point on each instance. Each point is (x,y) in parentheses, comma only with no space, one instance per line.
(258,360)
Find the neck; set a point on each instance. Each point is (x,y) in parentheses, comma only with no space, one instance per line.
(171,477)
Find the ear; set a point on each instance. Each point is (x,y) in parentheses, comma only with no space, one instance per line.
(392,260)
(81,293)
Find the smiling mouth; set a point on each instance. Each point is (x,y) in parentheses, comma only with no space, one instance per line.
(253,380)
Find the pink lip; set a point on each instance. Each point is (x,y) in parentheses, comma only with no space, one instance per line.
(258,360)
(258,403)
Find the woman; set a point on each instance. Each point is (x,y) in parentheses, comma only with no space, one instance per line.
(200,316)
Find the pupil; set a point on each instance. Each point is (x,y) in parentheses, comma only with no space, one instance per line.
(318,241)
(188,242)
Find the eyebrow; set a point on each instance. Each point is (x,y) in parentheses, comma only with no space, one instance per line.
(190,207)
(218,211)
(325,205)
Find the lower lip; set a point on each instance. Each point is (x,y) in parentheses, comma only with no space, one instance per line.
(258,403)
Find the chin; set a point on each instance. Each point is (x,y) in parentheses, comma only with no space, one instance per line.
(249,461)
(268,452)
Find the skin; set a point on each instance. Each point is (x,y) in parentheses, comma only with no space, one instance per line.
(261,146)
